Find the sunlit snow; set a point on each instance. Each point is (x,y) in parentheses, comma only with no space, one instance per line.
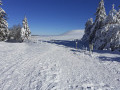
(54,63)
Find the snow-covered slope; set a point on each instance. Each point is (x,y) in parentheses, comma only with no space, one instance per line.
(71,35)
(74,32)
(42,64)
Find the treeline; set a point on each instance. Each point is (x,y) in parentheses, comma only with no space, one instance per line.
(104,32)
(16,33)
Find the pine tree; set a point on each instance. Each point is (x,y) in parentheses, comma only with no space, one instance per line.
(100,13)
(112,18)
(105,31)
(88,27)
(26,28)
(22,34)
(88,24)
(118,16)
(99,21)
(3,24)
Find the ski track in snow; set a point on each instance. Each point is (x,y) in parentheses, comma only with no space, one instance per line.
(29,70)
(39,65)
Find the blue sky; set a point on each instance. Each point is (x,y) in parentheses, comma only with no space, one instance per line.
(53,17)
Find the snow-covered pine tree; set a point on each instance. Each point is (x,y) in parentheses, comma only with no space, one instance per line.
(26,28)
(105,31)
(22,34)
(118,15)
(99,21)
(112,18)
(87,32)
(108,36)
(3,24)
(100,13)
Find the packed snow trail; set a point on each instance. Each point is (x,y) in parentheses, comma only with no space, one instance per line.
(27,67)
(49,66)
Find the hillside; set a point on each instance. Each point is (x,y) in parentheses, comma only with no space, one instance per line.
(74,32)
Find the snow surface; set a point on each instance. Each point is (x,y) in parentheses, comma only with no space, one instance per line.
(50,63)
(74,32)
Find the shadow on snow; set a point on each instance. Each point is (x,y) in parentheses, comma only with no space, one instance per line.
(107,52)
(71,44)
(81,45)
(103,58)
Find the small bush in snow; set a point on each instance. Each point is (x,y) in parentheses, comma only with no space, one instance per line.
(16,33)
